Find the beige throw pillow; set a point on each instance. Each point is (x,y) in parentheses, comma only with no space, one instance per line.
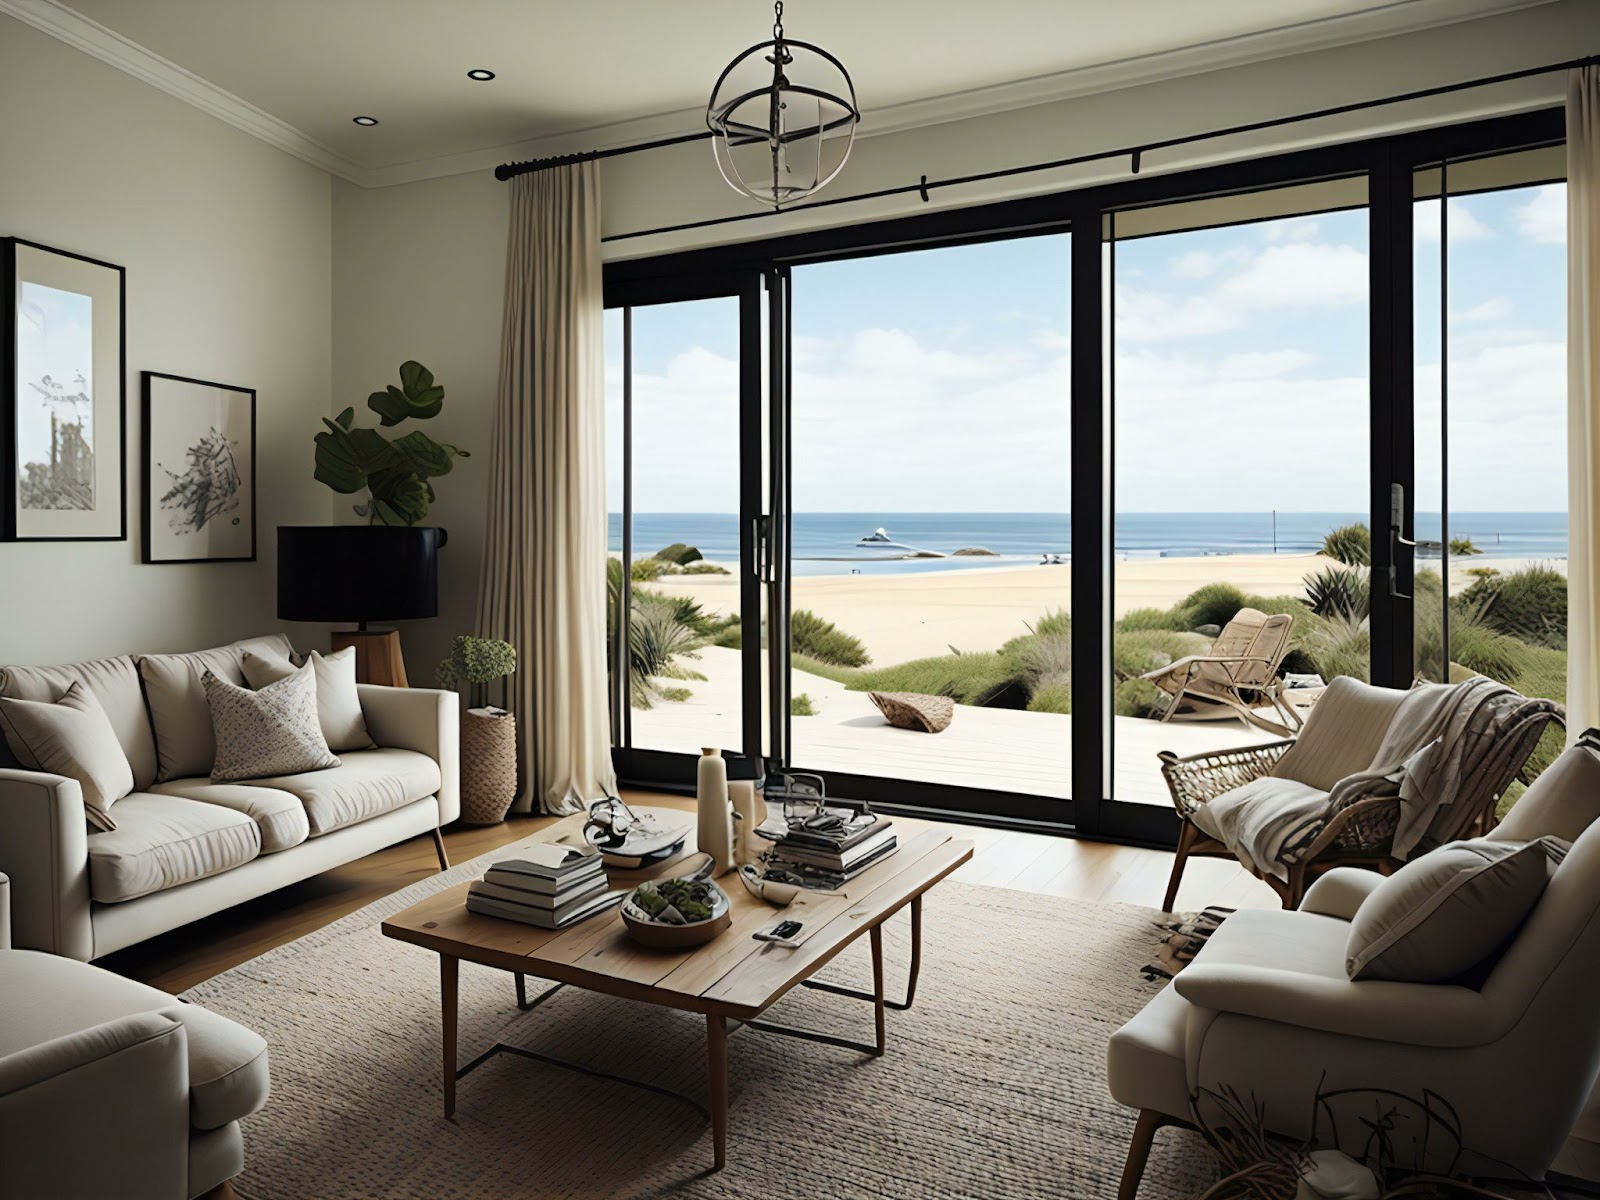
(270,732)
(1443,913)
(338,702)
(72,737)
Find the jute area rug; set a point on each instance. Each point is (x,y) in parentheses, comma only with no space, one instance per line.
(993,1084)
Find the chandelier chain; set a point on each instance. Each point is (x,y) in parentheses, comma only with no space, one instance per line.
(777,21)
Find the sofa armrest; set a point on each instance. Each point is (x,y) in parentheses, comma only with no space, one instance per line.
(1420,1014)
(427,720)
(44,848)
(103,1111)
(1340,892)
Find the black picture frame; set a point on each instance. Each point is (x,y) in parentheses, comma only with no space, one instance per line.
(13,523)
(159,476)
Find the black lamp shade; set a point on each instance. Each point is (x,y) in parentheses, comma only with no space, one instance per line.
(358,572)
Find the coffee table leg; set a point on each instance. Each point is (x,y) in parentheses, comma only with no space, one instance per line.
(717,1062)
(877,983)
(449,976)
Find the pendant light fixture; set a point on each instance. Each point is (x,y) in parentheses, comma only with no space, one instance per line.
(783,130)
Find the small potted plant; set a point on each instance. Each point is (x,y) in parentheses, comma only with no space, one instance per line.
(488,733)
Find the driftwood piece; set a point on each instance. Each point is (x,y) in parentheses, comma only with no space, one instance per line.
(913,710)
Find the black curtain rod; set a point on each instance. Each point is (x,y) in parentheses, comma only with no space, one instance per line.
(925,185)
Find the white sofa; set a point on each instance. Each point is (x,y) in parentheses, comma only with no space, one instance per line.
(1266,1009)
(112,1088)
(185,847)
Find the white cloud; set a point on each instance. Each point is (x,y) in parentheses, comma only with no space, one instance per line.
(1293,229)
(1263,364)
(1496,308)
(1196,264)
(1464,223)
(1543,218)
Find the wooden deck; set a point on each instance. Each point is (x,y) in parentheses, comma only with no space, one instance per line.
(996,748)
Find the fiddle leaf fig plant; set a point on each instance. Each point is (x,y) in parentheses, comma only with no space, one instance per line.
(395,474)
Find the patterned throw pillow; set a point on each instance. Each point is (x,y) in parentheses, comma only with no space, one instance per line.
(270,732)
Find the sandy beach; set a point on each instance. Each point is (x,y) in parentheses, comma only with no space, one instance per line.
(902,617)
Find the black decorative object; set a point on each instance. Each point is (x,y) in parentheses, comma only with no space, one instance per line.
(63,416)
(199,470)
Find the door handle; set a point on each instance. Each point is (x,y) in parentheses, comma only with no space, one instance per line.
(1397,538)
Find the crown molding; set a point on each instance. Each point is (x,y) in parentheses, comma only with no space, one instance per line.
(109,46)
(1402,16)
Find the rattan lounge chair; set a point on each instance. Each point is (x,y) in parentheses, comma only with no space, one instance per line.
(1340,737)
(1237,677)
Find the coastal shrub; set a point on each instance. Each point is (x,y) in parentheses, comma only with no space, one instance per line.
(801,706)
(974,552)
(1349,544)
(1138,698)
(1138,619)
(1039,660)
(1055,620)
(816,638)
(727,632)
(662,629)
(679,554)
(1461,547)
(647,570)
(1339,646)
(677,695)
(979,679)
(703,568)
(1530,604)
(1052,698)
(1339,591)
(1133,654)
(1213,604)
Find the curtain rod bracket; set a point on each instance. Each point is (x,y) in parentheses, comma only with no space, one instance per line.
(922,189)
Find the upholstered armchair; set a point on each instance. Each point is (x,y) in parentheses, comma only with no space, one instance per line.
(112,1088)
(1266,1009)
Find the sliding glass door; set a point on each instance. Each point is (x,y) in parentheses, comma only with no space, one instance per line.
(969,473)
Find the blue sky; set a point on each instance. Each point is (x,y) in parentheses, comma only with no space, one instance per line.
(936,380)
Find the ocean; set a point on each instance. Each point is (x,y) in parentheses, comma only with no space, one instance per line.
(825,543)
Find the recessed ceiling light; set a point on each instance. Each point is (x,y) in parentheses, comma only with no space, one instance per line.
(365,120)
(480,74)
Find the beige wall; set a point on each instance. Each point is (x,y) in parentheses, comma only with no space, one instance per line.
(418,267)
(228,249)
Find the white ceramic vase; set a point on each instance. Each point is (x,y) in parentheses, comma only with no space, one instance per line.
(715,818)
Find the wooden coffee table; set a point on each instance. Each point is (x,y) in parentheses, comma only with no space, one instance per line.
(732,979)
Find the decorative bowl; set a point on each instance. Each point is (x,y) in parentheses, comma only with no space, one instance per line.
(668,935)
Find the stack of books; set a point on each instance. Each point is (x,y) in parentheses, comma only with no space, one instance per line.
(554,887)
(833,856)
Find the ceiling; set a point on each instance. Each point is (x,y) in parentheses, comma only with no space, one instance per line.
(303,68)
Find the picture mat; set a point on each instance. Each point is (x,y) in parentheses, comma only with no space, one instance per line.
(185,419)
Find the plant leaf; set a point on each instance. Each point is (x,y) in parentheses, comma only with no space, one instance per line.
(420,453)
(415,377)
(346,418)
(417,396)
(346,457)
(400,496)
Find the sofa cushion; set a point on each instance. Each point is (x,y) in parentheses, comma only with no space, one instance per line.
(74,738)
(112,681)
(45,996)
(270,732)
(162,841)
(1447,911)
(365,784)
(279,816)
(179,715)
(338,702)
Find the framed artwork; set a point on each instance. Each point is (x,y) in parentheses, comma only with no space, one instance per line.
(63,417)
(199,470)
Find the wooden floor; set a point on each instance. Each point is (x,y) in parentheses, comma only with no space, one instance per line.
(1056,866)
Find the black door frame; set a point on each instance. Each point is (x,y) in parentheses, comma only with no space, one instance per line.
(1388,163)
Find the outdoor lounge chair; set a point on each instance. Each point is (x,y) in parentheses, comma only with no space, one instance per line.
(1236,677)
(1342,737)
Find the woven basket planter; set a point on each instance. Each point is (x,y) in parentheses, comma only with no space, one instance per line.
(913,710)
(488,765)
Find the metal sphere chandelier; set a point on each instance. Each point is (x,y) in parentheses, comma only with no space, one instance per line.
(781,132)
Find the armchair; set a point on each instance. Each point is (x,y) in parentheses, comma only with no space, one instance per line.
(1267,1010)
(111,1088)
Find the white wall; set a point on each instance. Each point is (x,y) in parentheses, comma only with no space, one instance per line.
(228,249)
(419,267)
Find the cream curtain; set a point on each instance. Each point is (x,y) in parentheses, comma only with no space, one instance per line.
(544,557)
(1583,399)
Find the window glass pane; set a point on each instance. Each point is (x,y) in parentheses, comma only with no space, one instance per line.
(1240,431)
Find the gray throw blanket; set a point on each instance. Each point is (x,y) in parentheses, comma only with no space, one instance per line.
(1440,734)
